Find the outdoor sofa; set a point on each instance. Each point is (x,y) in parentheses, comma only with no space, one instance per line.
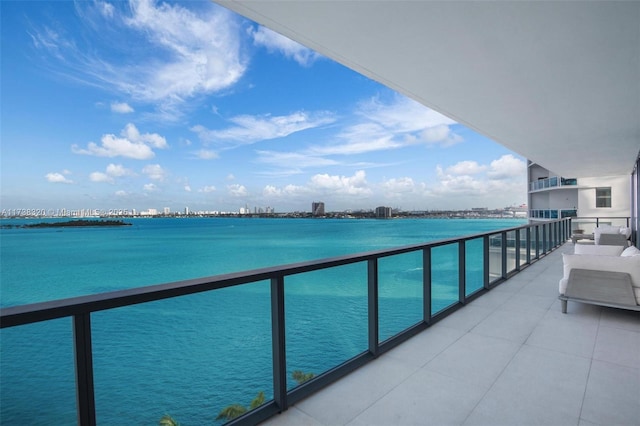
(605,275)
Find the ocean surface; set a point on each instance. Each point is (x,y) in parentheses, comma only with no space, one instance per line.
(191,356)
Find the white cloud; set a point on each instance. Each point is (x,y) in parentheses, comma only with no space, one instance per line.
(100,177)
(118,170)
(206,154)
(177,53)
(466,168)
(249,129)
(152,139)
(121,193)
(503,179)
(350,185)
(187,188)
(106,9)
(279,43)
(150,187)
(131,144)
(112,171)
(382,126)
(121,107)
(230,176)
(507,167)
(155,172)
(293,160)
(440,134)
(207,189)
(397,186)
(237,190)
(55,177)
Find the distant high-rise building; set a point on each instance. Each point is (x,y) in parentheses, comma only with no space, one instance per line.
(167,210)
(186,211)
(383,212)
(317,208)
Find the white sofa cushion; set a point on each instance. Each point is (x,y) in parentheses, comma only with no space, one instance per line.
(604,229)
(628,264)
(625,231)
(598,250)
(630,251)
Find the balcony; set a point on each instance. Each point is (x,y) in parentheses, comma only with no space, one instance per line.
(486,329)
(552,213)
(508,358)
(552,182)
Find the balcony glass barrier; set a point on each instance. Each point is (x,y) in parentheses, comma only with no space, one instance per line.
(495,257)
(26,395)
(444,276)
(400,293)
(474,258)
(551,182)
(283,346)
(326,319)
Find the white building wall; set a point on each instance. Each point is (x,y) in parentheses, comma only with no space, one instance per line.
(620,200)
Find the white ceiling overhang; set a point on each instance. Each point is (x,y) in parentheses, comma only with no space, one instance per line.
(556,82)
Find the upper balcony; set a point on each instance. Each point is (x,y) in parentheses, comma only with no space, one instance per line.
(553,182)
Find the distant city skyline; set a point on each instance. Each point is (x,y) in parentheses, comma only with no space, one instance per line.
(114,105)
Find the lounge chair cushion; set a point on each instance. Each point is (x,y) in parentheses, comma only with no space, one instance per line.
(628,264)
(598,250)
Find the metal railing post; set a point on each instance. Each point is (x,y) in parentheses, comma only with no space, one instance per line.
(426,284)
(86,405)
(462,272)
(517,249)
(486,264)
(528,237)
(372,273)
(503,236)
(278,342)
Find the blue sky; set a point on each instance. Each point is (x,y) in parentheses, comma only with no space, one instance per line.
(116,105)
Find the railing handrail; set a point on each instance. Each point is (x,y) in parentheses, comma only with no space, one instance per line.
(60,308)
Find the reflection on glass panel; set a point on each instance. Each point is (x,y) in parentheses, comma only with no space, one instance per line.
(444,277)
(400,293)
(495,257)
(189,357)
(37,374)
(474,257)
(326,318)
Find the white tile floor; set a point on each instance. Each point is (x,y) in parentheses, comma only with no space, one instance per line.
(509,358)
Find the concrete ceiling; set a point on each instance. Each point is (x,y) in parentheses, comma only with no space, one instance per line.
(556,82)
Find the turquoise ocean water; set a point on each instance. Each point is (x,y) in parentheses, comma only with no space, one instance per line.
(192,356)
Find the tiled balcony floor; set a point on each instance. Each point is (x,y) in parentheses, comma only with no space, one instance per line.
(508,358)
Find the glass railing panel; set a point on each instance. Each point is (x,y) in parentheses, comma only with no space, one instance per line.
(196,355)
(553,181)
(326,318)
(495,257)
(511,251)
(474,259)
(524,245)
(37,374)
(444,277)
(533,242)
(400,291)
